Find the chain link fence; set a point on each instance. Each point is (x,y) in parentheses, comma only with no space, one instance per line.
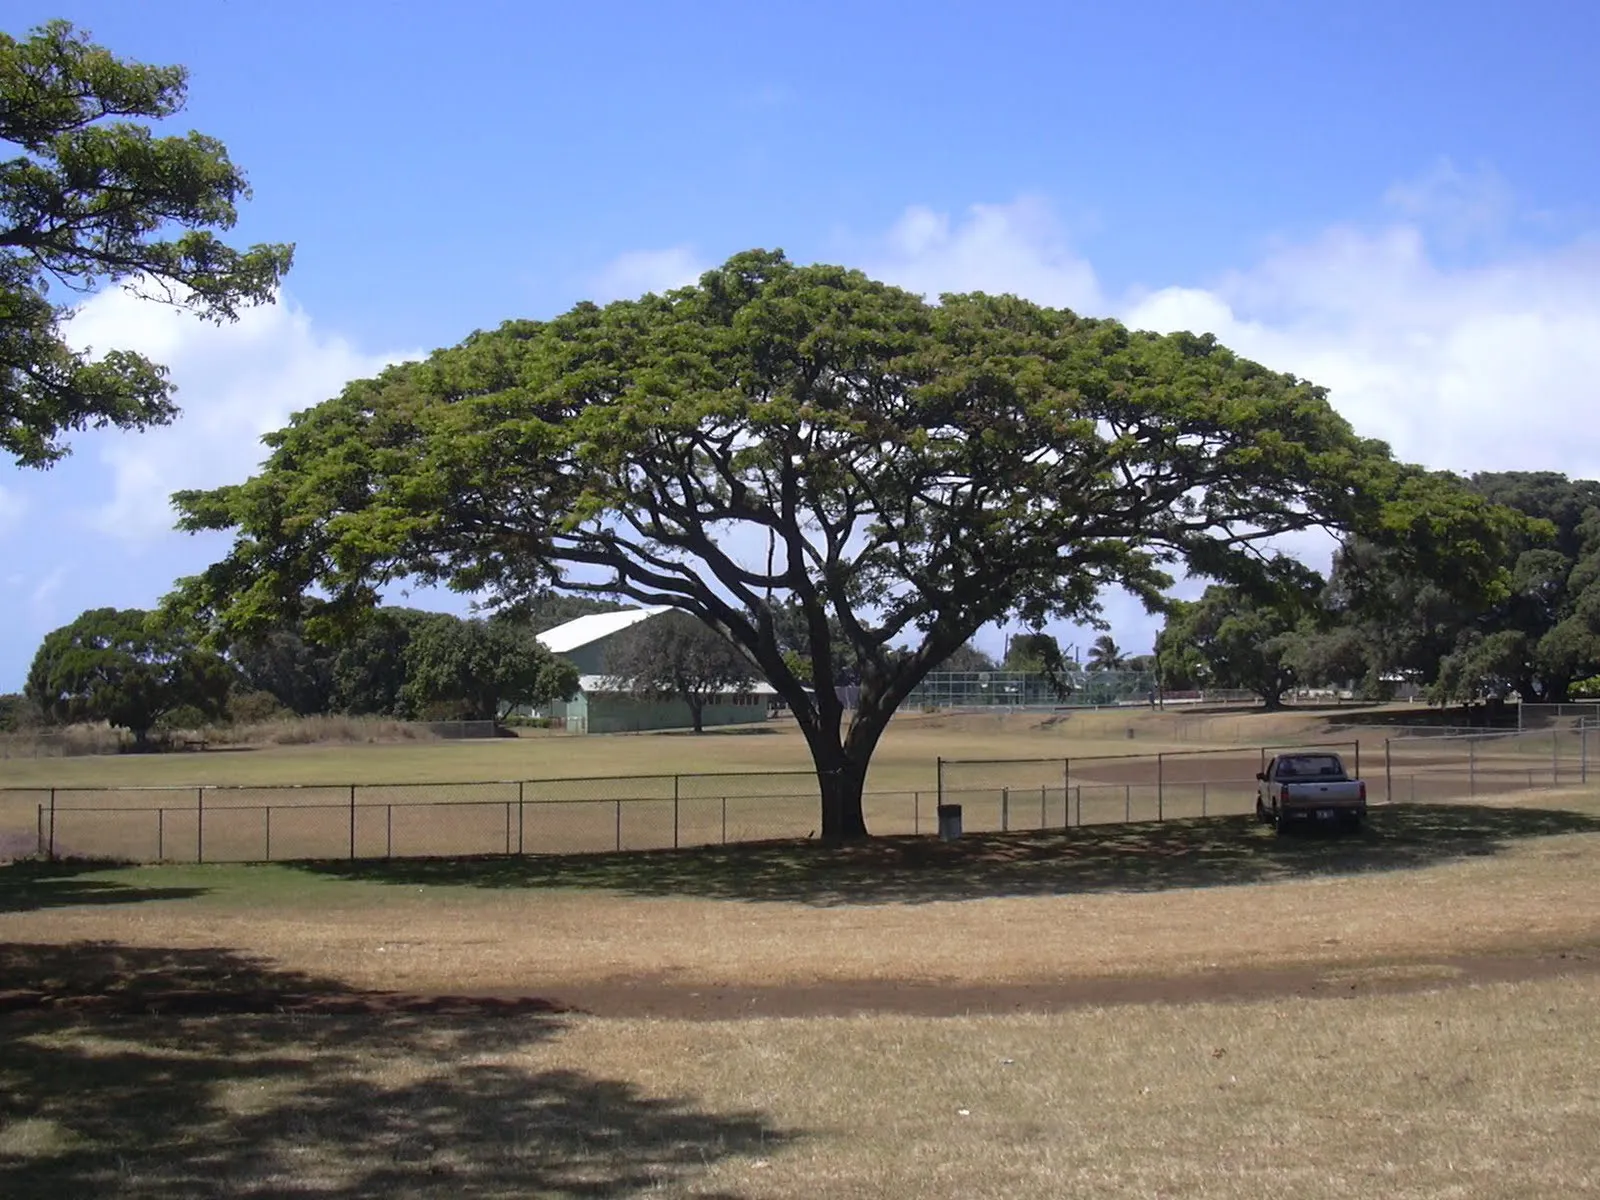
(1005,795)
(1488,763)
(1572,715)
(644,812)
(382,820)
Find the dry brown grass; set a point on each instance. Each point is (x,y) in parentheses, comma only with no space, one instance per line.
(72,741)
(1447,1090)
(905,757)
(326,730)
(1484,1092)
(1538,894)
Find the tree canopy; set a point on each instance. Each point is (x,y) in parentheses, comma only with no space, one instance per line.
(479,670)
(1106,655)
(674,654)
(1231,639)
(92,198)
(902,472)
(121,667)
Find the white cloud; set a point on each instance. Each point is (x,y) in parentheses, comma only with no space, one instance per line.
(631,275)
(1484,365)
(235,382)
(1018,247)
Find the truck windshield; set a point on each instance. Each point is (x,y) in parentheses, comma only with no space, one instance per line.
(1310,766)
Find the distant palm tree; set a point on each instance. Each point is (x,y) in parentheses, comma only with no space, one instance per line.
(1105,655)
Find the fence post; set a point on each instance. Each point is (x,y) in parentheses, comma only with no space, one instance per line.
(675,812)
(268,809)
(1358,758)
(1472,767)
(200,825)
(1203,798)
(1161,785)
(1005,810)
(1583,752)
(1127,803)
(916,812)
(508,827)
(1555,758)
(1044,810)
(38,841)
(352,821)
(1080,806)
(938,770)
(724,820)
(51,855)
(388,830)
(1066,793)
(619,824)
(519,818)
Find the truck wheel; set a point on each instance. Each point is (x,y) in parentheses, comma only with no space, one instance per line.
(1281,824)
(1353,822)
(1262,815)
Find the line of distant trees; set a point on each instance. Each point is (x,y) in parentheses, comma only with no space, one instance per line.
(132,670)
(1376,622)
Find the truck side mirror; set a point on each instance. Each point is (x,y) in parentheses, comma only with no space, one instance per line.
(1261,775)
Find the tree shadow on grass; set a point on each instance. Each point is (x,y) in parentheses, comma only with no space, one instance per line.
(1146,856)
(31,885)
(99,1098)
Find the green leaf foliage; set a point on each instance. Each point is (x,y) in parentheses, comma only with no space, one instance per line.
(122,667)
(1230,639)
(479,670)
(1106,655)
(899,473)
(295,671)
(1541,632)
(90,197)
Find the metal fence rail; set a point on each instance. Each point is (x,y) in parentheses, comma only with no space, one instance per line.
(1488,763)
(536,816)
(639,812)
(1095,789)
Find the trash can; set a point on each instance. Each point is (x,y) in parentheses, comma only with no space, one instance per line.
(949,822)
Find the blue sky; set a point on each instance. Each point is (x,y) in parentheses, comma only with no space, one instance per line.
(1401,201)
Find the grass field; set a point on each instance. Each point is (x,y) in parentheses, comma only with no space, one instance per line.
(904,759)
(1191,1008)
(1194,1009)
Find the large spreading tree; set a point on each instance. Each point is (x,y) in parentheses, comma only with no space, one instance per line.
(88,197)
(904,473)
(125,668)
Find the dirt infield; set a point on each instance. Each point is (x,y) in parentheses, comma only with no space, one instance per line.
(655,997)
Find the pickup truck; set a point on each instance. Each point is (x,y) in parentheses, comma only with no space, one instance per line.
(1306,787)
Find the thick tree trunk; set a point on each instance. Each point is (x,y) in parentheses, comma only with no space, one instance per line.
(842,817)
(697,712)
